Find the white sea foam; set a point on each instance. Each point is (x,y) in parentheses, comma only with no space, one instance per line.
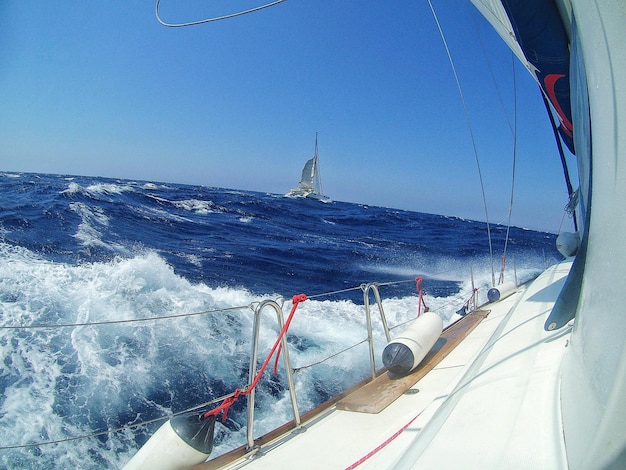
(72,188)
(93,222)
(155,186)
(445,268)
(191,259)
(109,188)
(198,206)
(102,367)
(95,190)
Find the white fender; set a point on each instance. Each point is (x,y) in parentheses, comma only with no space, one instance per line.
(167,450)
(406,351)
(568,243)
(502,291)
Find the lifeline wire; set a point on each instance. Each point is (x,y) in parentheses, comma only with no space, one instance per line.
(298,369)
(196,407)
(215,18)
(166,317)
(469,124)
(183,315)
(112,431)
(128,320)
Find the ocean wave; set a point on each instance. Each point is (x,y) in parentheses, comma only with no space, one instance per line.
(96,191)
(11,175)
(155,186)
(199,206)
(90,231)
(74,379)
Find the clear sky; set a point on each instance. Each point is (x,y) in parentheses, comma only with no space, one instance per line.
(102,89)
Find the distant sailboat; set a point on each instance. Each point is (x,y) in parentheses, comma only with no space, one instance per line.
(310,185)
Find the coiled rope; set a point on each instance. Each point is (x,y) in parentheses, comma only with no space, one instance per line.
(212,19)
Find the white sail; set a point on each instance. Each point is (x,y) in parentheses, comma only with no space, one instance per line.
(307,181)
(593,372)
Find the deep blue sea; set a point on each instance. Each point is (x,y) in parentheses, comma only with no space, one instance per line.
(80,250)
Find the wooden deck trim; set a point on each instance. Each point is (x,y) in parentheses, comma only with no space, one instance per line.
(385,389)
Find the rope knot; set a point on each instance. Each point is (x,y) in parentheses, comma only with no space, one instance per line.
(420,301)
(228,402)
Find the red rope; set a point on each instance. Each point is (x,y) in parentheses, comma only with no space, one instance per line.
(280,348)
(382,446)
(228,402)
(472,298)
(420,301)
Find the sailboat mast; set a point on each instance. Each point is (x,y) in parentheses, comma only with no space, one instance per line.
(318,177)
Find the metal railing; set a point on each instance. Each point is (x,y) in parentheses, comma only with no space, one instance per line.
(253,367)
(366,288)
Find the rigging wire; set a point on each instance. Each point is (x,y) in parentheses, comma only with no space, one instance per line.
(473,139)
(214,18)
(512,128)
(570,190)
(508,227)
(493,77)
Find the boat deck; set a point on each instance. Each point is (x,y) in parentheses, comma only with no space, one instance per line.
(437,421)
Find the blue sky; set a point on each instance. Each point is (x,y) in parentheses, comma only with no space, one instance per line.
(102,89)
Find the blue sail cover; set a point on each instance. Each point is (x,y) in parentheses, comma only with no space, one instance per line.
(542,37)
